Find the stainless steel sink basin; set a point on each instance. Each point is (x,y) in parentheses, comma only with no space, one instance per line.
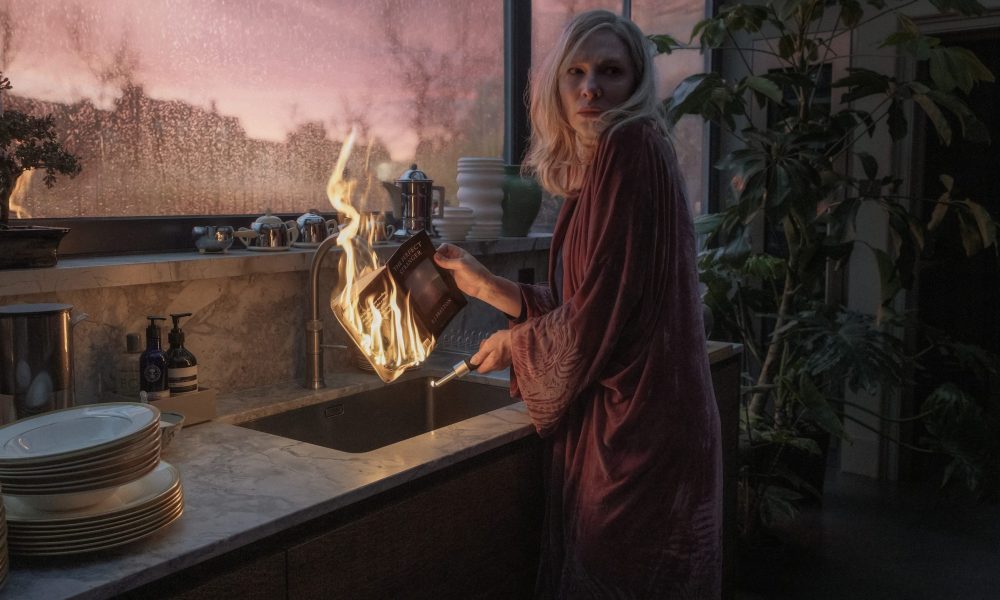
(375,418)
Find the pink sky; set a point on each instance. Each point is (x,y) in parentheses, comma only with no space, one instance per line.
(271,63)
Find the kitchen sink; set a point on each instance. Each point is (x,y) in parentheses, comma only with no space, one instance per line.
(368,420)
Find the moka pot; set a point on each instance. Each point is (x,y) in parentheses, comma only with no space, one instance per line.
(416,203)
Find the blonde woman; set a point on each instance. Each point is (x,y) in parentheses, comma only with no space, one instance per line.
(610,360)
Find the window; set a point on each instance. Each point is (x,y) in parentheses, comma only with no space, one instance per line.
(194,107)
(677,19)
(211,107)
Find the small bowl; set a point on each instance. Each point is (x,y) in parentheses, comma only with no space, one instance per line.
(170,425)
(210,238)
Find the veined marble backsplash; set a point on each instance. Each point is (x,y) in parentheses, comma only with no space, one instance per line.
(248,324)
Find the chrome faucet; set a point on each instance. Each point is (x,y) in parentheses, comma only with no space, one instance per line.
(314,327)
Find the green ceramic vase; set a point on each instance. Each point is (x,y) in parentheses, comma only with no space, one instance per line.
(521,200)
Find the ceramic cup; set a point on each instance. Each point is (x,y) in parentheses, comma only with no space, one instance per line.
(315,229)
(269,235)
(375,227)
(210,238)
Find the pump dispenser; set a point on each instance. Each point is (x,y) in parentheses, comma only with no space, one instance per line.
(153,363)
(182,366)
(127,371)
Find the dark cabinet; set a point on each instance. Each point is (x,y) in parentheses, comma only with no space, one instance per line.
(474,533)
(242,574)
(726,380)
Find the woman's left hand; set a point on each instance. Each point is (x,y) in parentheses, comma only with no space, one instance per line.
(494,353)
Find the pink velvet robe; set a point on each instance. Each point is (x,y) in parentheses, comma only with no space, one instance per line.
(615,376)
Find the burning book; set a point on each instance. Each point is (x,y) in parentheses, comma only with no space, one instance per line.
(395,312)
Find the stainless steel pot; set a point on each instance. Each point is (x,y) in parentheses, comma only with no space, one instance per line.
(36,359)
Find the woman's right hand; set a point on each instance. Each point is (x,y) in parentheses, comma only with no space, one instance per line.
(470,274)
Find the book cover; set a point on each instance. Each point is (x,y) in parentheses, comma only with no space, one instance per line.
(408,298)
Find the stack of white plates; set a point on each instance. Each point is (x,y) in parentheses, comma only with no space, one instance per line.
(455,224)
(77,456)
(4,560)
(86,478)
(133,511)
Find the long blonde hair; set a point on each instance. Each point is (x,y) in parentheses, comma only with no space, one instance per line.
(555,153)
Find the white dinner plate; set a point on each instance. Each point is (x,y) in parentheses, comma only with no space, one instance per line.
(96,533)
(146,489)
(59,496)
(26,529)
(104,463)
(64,432)
(80,547)
(86,459)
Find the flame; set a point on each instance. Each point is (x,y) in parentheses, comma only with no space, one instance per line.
(18,194)
(382,324)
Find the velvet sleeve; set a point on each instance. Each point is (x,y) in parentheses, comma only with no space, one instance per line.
(536,300)
(609,264)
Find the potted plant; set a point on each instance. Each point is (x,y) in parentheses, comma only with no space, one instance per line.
(799,177)
(26,143)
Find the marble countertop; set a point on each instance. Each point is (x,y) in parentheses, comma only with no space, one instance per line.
(241,485)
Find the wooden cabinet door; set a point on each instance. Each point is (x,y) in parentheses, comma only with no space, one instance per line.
(471,532)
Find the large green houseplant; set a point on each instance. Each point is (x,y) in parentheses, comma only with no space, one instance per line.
(28,142)
(799,177)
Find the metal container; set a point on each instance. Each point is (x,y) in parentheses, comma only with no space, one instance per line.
(36,359)
(416,203)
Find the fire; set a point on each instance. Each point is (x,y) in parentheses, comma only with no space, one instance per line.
(382,324)
(17,196)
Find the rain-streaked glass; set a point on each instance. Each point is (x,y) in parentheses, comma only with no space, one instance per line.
(676,18)
(213,107)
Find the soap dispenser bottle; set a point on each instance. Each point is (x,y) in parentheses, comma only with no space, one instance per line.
(182,366)
(127,373)
(153,363)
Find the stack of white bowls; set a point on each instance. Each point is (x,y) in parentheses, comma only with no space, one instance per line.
(480,187)
(86,478)
(455,224)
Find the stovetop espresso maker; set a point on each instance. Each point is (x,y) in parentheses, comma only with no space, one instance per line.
(417,203)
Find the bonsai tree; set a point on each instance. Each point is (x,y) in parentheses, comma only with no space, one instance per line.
(800,180)
(28,142)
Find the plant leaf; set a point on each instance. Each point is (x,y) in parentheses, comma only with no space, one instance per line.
(766,87)
(819,407)
(897,121)
(942,203)
(973,129)
(862,83)
(889,280)
(937,118)
(869,164)
(987,228)
(664,43)
(850,12)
